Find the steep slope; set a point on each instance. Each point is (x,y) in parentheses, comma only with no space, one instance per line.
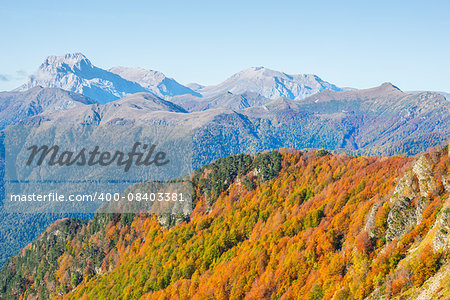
(270,84)
(74,72)
(154,81)
(16,106)
(306,225)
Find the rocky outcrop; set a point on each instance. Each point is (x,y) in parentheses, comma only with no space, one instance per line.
(401,218)
(424,173)
(409,199)
(407,187)
(441,239)
(446,182)
(370,222)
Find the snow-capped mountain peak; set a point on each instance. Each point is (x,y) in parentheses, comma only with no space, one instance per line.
(154,81)
(71,60)
(75,73)
(271,84)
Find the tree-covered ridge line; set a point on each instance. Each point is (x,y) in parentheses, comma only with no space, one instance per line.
(288,224)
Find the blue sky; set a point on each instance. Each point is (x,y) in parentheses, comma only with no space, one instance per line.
(349,43)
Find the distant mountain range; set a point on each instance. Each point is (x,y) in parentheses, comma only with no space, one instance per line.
(445,94)
(74,72)
(16,106)
(254,110)
(382,120)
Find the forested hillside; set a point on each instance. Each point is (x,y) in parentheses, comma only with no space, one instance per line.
(279,225)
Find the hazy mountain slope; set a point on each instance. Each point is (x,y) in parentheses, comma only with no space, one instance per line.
(154,81)
(16,106)
(135,109)
(270,84)
(382,120)
(74,72)
(445,94)
(16,230)
(236,102)
(195,86)
(386,118)
(227,100)
(301,225)
(148,101)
